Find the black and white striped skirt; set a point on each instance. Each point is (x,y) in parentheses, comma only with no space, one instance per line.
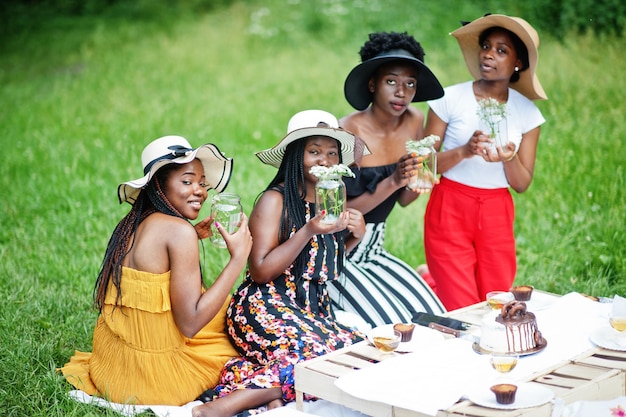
(379,287)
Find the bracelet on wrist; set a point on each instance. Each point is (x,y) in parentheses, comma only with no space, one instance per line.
(512,156)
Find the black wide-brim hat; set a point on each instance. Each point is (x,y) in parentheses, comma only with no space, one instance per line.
(356,87)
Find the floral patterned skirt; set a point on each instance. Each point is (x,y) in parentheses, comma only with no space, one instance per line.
(273,333)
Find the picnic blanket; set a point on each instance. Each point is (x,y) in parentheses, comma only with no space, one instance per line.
(610,408)
(311,408)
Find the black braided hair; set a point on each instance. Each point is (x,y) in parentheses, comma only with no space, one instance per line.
(520,48)
(380,42)
(291,174)
(151,199)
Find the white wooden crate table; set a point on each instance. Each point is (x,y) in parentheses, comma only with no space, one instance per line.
(591,374)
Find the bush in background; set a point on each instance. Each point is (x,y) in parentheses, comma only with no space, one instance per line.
(557,17)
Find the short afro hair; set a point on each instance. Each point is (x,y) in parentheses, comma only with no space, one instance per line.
(380,42)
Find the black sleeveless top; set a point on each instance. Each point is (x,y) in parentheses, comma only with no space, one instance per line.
(366,179)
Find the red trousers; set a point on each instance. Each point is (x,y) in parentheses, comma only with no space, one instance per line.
(469,242)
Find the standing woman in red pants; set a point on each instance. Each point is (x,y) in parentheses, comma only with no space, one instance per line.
(468,232)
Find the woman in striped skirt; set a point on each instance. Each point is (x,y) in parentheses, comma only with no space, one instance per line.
(375,284)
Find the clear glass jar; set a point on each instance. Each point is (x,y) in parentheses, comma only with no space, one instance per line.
(330,196)
(497,130)
(426,174)
(227,210)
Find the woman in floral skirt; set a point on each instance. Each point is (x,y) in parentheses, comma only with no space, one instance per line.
(281,314)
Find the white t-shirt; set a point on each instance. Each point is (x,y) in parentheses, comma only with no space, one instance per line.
(458,108)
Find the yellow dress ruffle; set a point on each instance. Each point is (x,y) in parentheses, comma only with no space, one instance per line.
(139,355)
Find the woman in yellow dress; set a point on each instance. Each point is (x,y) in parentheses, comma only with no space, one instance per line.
(159,337)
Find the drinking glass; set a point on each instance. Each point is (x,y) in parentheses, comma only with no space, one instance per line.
(496,299)
(386,340)
(617,316)
(618,322)
(227,211)
(503,362)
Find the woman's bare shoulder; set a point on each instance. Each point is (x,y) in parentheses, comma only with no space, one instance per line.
(168,226)
(269,201)
(353,120)
(155,239)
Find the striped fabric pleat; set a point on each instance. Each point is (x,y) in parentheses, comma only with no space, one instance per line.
(379,287)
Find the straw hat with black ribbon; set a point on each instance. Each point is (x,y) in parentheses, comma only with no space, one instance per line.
(177,150)
(468,35)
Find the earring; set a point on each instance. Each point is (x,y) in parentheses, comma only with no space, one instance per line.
(516,69)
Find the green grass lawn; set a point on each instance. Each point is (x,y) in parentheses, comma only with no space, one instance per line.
(80,98)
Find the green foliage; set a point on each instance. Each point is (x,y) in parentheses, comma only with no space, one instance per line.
(562,17)
(81,96)
(91,8)
(30,15)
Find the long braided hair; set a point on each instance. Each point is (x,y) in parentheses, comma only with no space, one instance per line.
(151,199)
(293,216)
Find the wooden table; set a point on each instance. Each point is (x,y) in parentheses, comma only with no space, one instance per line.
(597,374)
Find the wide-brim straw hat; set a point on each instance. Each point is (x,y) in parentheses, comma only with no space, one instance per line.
(315,123)
(356,87)
(467,36)
(177,150)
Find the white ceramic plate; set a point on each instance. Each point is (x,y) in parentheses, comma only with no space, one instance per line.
(539,301)
(528,395)
(422,337)
(606,337)
(479,349)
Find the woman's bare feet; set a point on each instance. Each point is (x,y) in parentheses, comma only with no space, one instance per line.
(210,409)
(275,404)
(237,401)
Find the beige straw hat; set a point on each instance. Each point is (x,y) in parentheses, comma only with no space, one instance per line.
(315,123)
(467,36)
(177,150)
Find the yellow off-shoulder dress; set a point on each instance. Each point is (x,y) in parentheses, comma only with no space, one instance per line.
(139,356)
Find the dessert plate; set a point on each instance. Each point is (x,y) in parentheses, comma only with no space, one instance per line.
(422,337)
(479,349)
(528,395)
(539,301)
(608,338)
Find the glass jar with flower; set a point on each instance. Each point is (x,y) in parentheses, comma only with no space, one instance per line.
(492,121)
(330,191)
(426,175)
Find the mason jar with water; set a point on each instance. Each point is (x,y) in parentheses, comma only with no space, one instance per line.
(330,198)
(226,209)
